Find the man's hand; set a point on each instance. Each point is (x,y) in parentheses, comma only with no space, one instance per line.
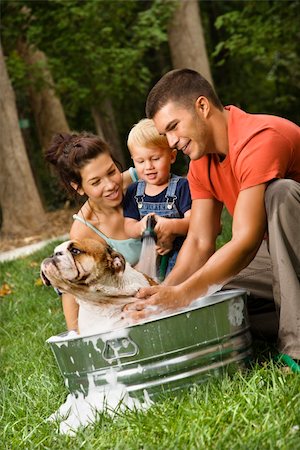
(153,300)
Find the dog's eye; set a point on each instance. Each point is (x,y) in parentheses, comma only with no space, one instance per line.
(75,251)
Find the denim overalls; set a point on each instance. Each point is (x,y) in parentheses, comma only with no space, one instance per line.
(163,209)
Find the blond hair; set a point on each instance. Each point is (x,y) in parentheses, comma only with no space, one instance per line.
(145,134)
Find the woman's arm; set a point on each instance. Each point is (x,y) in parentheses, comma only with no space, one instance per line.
(70,308)
(128,177)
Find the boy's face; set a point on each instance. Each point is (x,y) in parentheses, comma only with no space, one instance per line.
(153,164)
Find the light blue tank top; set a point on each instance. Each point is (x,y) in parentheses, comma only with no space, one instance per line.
(129,248)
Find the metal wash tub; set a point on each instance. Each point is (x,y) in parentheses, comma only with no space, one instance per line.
(164,354)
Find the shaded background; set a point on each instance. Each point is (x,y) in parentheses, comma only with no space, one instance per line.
(88,65)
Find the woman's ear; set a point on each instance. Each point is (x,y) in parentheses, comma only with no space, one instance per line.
(202,106)
(76,188)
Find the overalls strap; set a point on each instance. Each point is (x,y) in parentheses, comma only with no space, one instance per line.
(140,193)
(170,195)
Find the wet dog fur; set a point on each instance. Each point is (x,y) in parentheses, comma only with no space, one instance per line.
(99,278)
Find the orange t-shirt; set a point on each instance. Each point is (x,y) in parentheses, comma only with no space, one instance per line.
(261,148)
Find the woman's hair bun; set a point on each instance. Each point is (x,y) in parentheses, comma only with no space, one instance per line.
(60,145)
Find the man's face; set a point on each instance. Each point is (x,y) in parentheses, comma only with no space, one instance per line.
(185,129)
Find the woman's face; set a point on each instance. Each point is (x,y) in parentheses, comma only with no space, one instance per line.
(102,181)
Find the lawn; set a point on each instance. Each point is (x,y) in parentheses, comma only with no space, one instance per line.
(257,409)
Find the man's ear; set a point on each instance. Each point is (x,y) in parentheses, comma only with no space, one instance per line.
(76,188)
(202,106)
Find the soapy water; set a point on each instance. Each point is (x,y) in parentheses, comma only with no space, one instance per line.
(148,257)
(80,411)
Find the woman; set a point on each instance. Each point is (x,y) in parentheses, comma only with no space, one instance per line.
(86,167)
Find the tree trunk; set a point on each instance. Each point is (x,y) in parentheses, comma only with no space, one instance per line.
(97,120)
(105,123)
(47,108)
(186,39)
(22,211)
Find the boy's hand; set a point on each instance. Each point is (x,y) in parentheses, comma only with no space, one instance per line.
(165,237)
(163,230)
(143,223)
(163,250)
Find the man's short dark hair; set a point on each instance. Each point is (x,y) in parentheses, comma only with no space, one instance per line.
(182,86)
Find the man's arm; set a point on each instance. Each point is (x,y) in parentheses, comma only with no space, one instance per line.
(199,244)
(249,225)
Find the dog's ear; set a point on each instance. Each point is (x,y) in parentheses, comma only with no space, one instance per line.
(117,260)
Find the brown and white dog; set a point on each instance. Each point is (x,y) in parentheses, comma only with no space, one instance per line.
(100,279)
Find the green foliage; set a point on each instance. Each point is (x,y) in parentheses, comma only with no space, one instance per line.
(226,232)
(257,54)
(119,49)
(95,49)
(258,409)
(17,69)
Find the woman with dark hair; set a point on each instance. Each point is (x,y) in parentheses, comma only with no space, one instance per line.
(87,168)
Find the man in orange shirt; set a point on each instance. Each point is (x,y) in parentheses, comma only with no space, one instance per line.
(251,164)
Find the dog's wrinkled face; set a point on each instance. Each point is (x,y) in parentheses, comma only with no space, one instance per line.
(76,265)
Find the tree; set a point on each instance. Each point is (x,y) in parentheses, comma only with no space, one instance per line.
(22,211)
(256,60)
(186,39)
(46,105)
(97,53)
(97,50)
(106,128)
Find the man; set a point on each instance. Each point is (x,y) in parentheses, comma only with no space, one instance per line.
(250,163)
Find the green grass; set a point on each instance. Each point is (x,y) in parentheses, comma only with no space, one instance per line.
(226,234)
(258,409)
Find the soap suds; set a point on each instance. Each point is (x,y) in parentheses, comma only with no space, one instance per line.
(80,411)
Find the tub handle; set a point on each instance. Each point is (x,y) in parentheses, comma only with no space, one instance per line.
(116,349)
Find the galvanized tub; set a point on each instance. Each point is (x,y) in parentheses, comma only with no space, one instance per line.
(165,354)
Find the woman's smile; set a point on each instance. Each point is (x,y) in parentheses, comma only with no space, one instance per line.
(114,195)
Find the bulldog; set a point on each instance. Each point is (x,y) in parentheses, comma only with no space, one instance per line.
(99,278)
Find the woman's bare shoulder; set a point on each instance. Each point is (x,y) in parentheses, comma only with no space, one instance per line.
(81,231)
(78,229)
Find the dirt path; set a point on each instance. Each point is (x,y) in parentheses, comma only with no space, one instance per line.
(58,224)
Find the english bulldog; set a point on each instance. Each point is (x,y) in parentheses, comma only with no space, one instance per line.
(99,278)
